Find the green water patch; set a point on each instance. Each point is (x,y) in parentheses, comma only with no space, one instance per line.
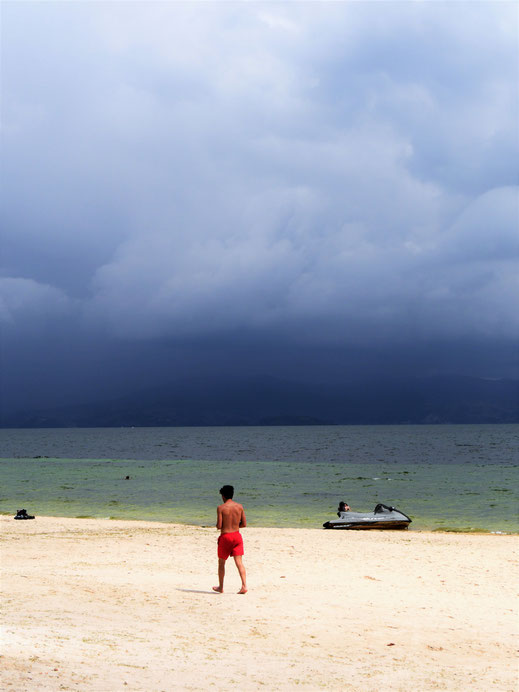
(463,529)
(456,497)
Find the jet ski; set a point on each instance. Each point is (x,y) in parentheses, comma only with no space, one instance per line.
(383,517)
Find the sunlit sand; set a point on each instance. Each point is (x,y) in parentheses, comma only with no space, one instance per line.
(114,605)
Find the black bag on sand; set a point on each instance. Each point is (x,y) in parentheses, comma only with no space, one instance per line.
(22,514)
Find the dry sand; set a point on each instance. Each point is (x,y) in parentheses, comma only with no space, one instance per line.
(114,605)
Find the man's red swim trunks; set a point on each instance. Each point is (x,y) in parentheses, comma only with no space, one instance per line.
(230,544)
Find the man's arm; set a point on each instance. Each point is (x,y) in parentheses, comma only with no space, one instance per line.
(243,519)
(218,518)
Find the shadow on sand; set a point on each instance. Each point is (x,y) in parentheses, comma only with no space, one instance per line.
(196,591)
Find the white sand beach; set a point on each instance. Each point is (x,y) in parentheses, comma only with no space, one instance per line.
(117,605)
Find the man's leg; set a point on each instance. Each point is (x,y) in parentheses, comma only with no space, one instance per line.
(241,570)
(221,575)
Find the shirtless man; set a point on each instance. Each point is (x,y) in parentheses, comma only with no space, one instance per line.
(229,518)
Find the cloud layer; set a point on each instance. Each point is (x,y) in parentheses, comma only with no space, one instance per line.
(330,171)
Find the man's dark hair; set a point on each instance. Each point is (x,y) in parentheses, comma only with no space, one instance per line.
(227,491)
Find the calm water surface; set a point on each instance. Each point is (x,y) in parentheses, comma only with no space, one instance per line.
(445,477)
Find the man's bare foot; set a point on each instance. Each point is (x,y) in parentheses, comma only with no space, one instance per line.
(242,590)
(218,589)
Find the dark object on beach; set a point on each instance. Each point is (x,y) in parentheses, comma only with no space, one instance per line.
(22,514)
(127,478)
(383,517)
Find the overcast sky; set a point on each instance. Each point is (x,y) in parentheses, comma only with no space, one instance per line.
(310,190)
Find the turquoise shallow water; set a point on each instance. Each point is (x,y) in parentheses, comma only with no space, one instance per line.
(445,477)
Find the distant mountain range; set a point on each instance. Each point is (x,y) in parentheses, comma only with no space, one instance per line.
(270,401)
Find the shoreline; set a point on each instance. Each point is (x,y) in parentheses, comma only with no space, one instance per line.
(97,604)
(411,529)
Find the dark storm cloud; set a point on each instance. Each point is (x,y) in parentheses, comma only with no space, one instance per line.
(321,174)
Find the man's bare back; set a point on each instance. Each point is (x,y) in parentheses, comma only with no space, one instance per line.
(230,517)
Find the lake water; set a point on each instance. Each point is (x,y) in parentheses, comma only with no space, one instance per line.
(451,477)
